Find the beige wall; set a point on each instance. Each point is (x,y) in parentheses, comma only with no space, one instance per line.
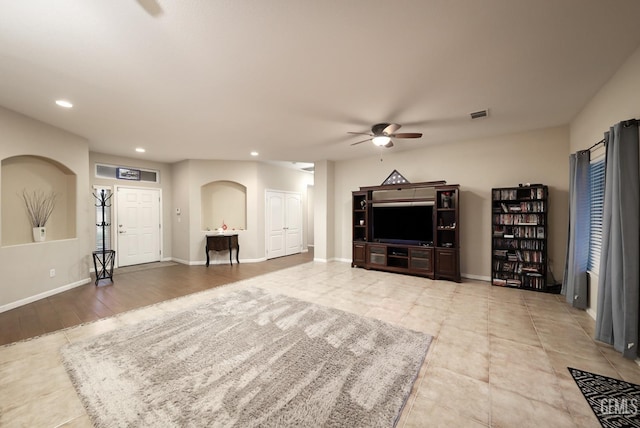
(325,217)
(272,177)
(538,156)
(223,202)
(617,100)
(36,176)
(24,269)
(165,185)
(188,178)
(180,224)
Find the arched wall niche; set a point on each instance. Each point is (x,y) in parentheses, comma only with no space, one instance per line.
(36,173)
(223,202)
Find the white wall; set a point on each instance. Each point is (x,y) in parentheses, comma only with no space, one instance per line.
(24,269)
(538,156)
(617,100)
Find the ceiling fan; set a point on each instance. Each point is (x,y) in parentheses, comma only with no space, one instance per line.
(381,134)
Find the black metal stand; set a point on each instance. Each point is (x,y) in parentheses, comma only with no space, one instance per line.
(103,264)
(104,259)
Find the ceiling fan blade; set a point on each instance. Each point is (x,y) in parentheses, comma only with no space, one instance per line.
(391,128)
(407,135)
(151,7)
(361,133)
(359,142)
(389,145)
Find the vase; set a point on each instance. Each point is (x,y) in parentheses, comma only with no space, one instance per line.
(39,234)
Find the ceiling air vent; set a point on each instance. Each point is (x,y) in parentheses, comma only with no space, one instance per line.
(479,114)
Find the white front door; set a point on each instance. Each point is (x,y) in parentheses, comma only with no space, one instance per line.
(284,223)
(138,226)
(275,225)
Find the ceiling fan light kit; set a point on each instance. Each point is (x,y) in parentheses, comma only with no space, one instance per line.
(381,140)
(382,133)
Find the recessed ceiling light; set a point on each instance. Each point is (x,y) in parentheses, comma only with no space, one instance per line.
(254,153)
(140,150)
(64,103)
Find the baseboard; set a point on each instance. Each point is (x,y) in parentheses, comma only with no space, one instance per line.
(591,313)
(476,277)
(40,296)
(316,259)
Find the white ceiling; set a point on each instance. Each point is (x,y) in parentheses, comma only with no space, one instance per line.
(215,79)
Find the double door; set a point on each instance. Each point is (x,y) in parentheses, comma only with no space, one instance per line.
(283,223)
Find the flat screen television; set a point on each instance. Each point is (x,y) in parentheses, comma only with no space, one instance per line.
(405,224)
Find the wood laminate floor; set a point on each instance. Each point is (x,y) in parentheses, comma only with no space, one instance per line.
(130,290)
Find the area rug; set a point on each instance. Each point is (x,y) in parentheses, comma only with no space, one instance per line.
(250,358)
(616,403)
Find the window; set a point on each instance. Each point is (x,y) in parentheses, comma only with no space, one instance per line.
(111,171)
(103,235)
(596,182)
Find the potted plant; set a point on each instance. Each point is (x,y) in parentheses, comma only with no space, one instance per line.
(39,206)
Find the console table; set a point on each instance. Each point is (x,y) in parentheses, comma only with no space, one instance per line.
(223,243)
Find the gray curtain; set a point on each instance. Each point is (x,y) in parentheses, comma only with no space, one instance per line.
(575,284)
(619,282)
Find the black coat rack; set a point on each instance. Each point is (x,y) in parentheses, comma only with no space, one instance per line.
(103,259)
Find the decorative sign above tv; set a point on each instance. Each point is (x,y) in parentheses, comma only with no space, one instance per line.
(128,174)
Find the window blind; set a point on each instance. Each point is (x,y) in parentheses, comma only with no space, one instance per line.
(596,184)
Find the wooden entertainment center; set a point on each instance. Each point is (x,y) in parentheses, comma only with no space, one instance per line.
(409,228)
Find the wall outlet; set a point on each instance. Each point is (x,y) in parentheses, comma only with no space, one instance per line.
(52,273)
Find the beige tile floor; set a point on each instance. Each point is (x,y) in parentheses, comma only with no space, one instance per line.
(499,356)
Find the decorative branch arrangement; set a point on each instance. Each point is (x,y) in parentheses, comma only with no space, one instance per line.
(39,206)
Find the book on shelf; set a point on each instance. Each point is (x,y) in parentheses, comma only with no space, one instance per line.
(500,253)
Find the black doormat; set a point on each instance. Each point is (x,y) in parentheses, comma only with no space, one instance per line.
(616,403)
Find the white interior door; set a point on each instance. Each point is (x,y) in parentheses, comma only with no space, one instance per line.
(284,223)
(293,223)
(275,225)
(138,226)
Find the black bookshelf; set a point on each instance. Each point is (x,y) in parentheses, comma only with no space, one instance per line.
(519,244)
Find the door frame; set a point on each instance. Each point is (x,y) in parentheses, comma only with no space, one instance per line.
(116,242)
(266,218)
